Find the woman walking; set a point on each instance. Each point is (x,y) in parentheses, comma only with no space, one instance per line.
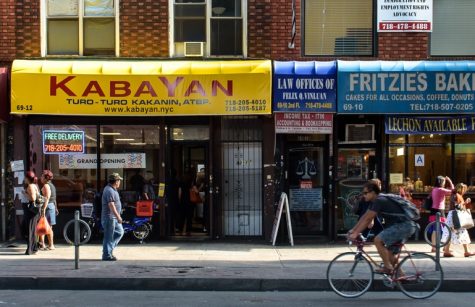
(31,212)
(443,187)
(49,209)
(459,236)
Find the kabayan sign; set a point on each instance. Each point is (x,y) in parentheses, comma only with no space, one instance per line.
(410,91)
(430,125)
(142,88)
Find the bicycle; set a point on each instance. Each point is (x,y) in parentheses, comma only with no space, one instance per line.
(351,274)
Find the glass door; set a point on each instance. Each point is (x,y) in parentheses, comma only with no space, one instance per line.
(355,167)
(305,176)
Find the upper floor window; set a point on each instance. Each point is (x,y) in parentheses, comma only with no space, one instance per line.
(453,28)
(338,27)
(208,27)
(81,27)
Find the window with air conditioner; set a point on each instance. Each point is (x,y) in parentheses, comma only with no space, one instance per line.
(80,27)
(338,27)
(359,133)
(216,26)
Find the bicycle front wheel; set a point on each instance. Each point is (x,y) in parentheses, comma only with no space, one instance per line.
(350,274)
(445,234)
(419,275)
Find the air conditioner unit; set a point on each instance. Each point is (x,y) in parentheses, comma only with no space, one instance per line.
(359,133)
(194,48)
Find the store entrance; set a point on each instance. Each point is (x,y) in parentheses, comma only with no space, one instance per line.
(188,167)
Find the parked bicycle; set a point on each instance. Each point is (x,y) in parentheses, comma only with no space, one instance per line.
(351,274)
(140,227)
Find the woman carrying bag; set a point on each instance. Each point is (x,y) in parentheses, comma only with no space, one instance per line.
(49,209)
(460,235)
(31,212)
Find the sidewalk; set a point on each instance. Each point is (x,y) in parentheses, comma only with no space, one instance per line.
(195,266)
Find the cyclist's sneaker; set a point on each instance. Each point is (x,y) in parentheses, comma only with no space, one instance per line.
(383,270)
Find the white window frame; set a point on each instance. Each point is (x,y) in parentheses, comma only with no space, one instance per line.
(44,34)
(207,51)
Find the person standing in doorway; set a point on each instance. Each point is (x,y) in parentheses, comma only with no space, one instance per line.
(31,212)
(110,217)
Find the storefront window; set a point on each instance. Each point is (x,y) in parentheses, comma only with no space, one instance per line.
(420,160)
(131,151)
(74,183)
(465,160)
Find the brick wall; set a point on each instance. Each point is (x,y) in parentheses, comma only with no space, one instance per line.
(27,29)
(403,46)
(144,28)
(7,30)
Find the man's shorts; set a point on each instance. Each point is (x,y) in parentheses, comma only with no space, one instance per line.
(397,233)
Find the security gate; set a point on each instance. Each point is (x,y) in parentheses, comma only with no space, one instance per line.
(242,176)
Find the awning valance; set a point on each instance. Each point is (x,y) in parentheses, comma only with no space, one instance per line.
(405,87)
(304,86)
(135,88)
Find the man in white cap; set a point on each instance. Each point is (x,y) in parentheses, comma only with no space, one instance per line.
(110,217)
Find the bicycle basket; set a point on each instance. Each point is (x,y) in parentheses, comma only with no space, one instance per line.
(86,209)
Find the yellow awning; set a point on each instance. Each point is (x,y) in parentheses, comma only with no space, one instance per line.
(135,88)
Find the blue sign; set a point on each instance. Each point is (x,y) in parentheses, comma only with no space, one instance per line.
(379,87)
(430,125)
(304,87)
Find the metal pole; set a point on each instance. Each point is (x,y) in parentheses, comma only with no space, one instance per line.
(76,239)
(437,237)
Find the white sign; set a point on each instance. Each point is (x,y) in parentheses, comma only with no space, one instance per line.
(89,161)
(284,200)
(17,165)
(405,15)
(395,178)
(419,160)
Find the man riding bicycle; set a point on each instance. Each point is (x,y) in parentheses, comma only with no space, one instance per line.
(398,227)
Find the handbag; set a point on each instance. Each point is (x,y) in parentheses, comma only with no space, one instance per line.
(455,219)
(40,199)
(428,202)
(43,227)
(194,196)
(465,218)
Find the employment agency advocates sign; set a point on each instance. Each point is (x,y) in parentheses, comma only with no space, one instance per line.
(405,15)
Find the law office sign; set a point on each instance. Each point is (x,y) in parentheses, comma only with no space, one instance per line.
(405,15)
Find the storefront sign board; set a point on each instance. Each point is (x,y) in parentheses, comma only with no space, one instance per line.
(406,87)
(107,161)
(151,88)
(463,124)
(304,86)
(321,123)
(405,15)
(419,160)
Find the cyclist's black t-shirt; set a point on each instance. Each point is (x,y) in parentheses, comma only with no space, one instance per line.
(385,207)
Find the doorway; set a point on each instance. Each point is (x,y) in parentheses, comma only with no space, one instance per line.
(188,163)
(306,169)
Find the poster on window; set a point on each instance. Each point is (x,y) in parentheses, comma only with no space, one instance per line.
(62,7)
(405,15)
(107,161)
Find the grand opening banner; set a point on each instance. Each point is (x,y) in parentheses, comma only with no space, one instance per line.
(406,87)
(121,88)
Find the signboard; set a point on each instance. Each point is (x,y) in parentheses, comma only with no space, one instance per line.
(395,178)
(405,15)
(321,123)
(284,201)
(63,141)
(419,160)
(414,89)
(107,161)
(151,88)
(304,86)
(430,125)
(306,199)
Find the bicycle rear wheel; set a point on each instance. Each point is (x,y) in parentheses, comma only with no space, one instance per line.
(446,234)
(350,274)
(419,275)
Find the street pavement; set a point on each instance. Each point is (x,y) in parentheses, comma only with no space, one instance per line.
(205,266)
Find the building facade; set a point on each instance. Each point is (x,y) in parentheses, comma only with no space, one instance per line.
(252,98)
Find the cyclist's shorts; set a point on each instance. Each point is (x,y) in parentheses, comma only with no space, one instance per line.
(397,233)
